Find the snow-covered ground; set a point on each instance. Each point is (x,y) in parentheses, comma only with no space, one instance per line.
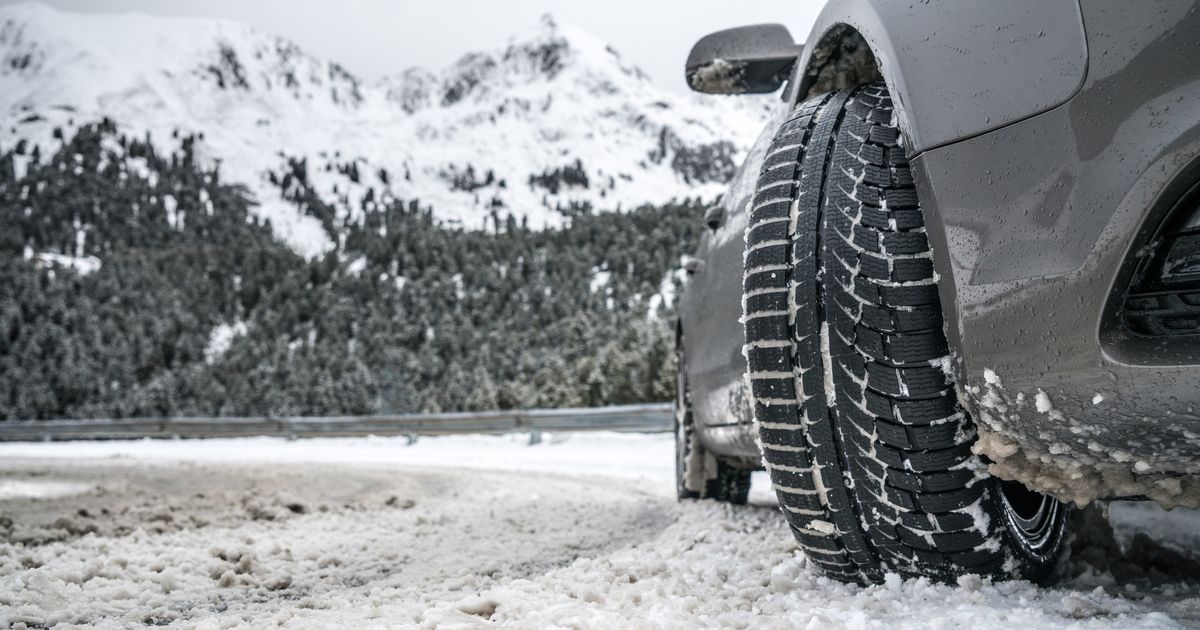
(579,530)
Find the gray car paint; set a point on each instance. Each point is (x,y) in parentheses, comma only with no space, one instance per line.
(1038,166)
(1033,223)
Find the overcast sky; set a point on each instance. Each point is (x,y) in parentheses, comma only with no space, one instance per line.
(377,37)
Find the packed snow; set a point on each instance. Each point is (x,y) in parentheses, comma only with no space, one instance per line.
(1077,473)
(574,530)
(16,488)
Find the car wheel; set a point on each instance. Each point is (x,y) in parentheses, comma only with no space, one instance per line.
(698,473)
(862,433)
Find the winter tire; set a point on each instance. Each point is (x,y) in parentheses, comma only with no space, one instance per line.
(862,433)
(698,473)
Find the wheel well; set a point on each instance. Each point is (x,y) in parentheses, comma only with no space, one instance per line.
(840,59)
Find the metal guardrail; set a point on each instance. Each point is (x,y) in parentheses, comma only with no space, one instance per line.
(646,418)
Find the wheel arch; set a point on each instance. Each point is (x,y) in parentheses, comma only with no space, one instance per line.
(952,75)
(832,62)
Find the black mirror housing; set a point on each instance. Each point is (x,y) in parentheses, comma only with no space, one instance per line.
(753,59)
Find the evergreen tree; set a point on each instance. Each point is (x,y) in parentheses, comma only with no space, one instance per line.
(440,319)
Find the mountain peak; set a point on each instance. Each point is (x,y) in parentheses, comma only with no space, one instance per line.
(552,40)
(138,62)
(551,51)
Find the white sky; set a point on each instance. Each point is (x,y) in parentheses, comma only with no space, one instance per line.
(374,38)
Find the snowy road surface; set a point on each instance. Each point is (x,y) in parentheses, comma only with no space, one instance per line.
(579,531)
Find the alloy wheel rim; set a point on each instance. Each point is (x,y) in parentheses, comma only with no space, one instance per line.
(1032,517)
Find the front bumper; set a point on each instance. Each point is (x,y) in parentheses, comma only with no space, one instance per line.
(1033,227)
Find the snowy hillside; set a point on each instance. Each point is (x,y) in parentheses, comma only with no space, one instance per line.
(555,118)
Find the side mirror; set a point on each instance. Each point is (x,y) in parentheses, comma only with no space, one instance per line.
(745,60)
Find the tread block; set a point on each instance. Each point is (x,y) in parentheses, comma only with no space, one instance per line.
(772,359)
(920,380)
(772,210)
(895,156)
(770,328)
(782,437)
(950,500)
(900,198)
(884,135)
(917,541)
(908,295)
(779,159)
(775,279)
(890,455)
(934,435)
(824,543)
(919,318)
(938,460)
(920,413)
(784,388)
(911,269)
(792,479)
(892,435)
(904,242)
(765,302)
(900,498)
(774,231)
(872,153)
(776,414)
(876,175)
(890,220)
(771,255)
(771,180)
(866,238)
(872,267)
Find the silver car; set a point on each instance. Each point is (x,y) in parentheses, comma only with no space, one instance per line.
(955,288)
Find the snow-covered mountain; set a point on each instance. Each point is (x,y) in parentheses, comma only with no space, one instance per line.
(554,118)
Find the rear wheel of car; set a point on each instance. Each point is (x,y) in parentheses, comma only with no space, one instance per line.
(698,473)
(862,433)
